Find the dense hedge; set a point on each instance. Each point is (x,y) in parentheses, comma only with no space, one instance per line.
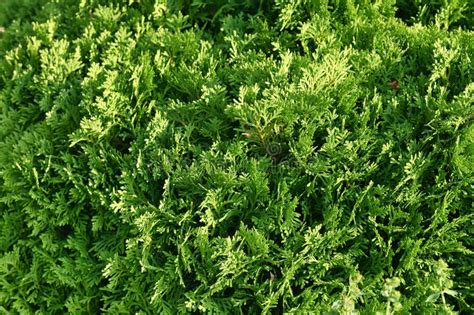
(236,157)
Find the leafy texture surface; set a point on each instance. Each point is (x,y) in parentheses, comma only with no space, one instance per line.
(236,157)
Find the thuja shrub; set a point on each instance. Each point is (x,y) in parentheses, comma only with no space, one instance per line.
(236,157)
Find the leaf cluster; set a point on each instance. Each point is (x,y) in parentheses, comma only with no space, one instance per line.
(236,157)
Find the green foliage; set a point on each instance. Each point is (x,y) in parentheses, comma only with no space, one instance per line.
(236,157)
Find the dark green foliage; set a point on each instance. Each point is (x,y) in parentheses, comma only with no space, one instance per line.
(236,157)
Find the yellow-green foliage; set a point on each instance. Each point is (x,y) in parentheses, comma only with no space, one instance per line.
(236,157)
